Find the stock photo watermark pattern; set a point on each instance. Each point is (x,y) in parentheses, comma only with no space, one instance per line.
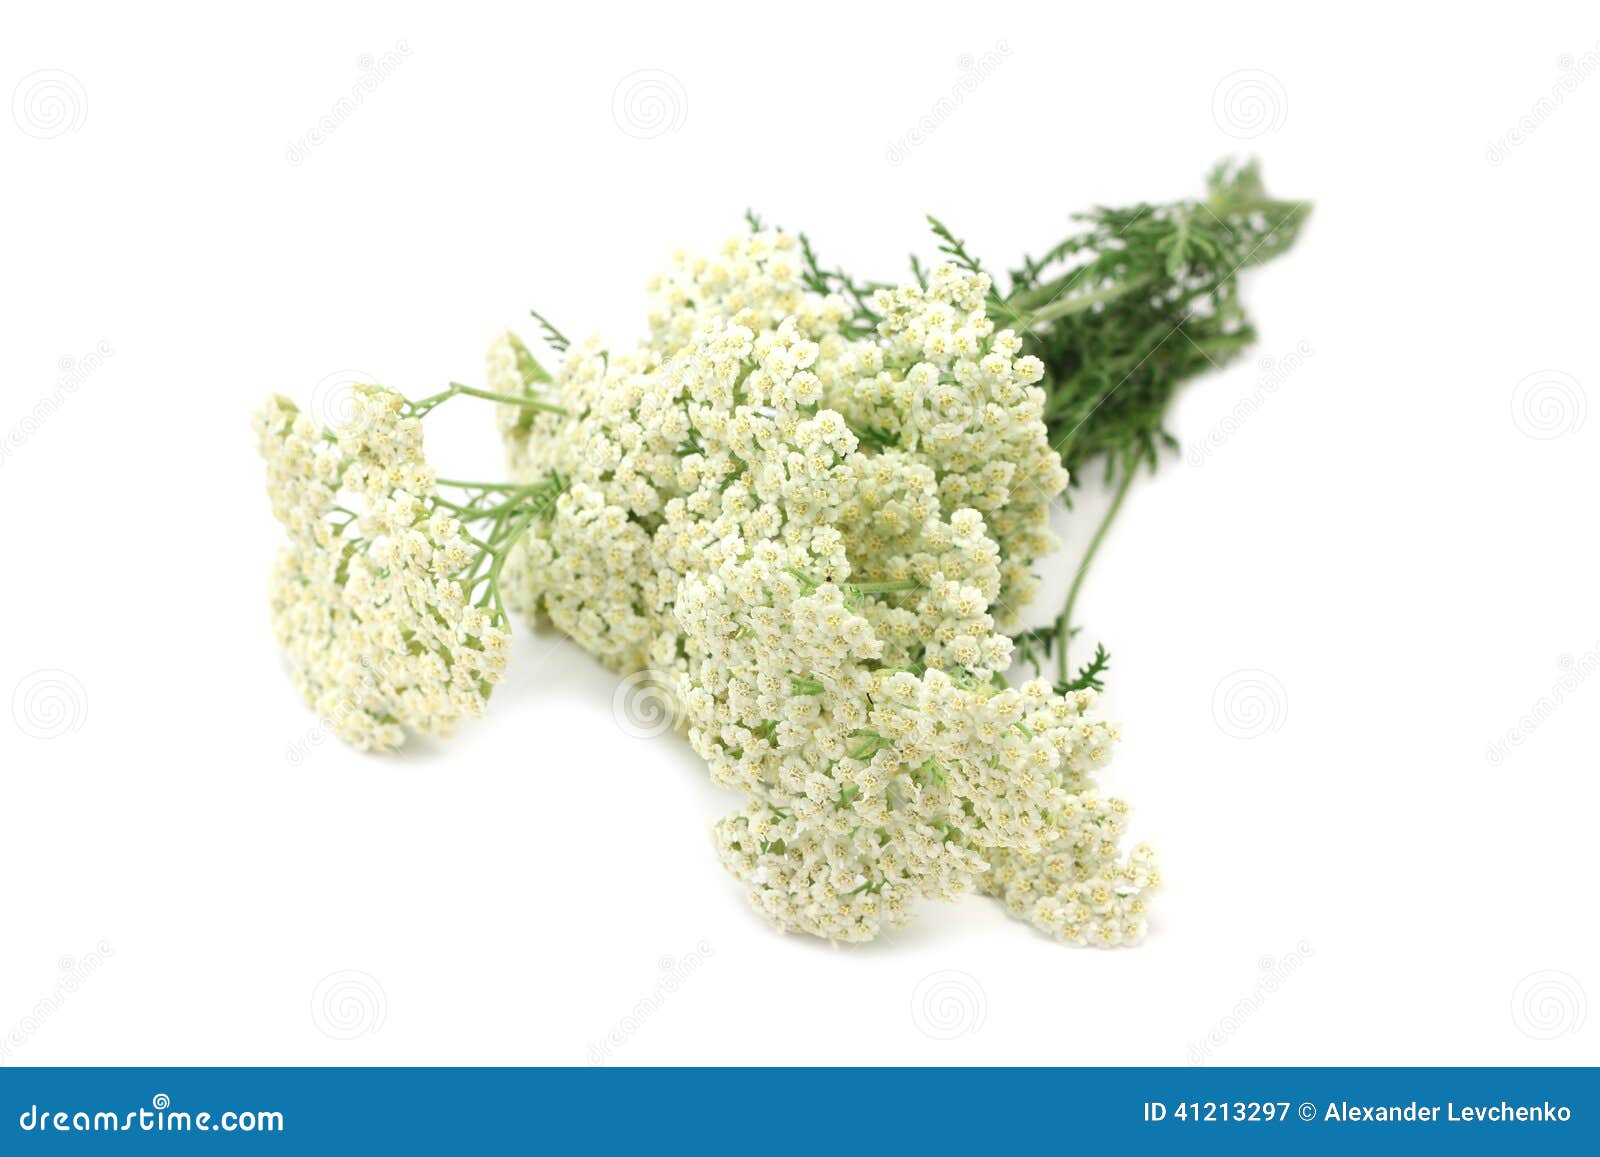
(949,1004)
(325,728)
(1250,703)
(1549,404)
(1274,373)
(649,103)
(75,973)
(349,1004)
(1572,72)
(74,372)
(1549,1004)
(1249,103)
(49,703)
(370,682)
(973,71)
(645,706)
(374,70)
(49,103)
(1275,972)
(675,973)
(1575,671)
(333,397)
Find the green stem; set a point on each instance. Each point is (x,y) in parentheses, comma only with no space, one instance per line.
(508,399)
(1077,303)
(423,406)
(885,587)
(514,499)
(513,533)
(464,485)
(1027,299)
(1064,623)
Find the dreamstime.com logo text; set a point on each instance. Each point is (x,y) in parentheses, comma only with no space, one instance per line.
(374,71)
(675,972)
(1573,674)
(1274,372)
(332,723)
(1275,971)
(75,972)
(974,71)
(344,711)
(74,372)
(160,1117)
(1573,72)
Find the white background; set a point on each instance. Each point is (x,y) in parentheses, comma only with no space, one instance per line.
(1398,545)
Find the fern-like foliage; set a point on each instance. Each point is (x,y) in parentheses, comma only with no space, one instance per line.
(1138,301)
(553,337)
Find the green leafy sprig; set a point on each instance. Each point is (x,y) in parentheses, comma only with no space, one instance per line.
(1122,312)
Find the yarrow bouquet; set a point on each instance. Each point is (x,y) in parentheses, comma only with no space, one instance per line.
(809,509)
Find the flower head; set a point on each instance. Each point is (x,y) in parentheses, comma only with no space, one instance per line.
(816,530)
(371,593)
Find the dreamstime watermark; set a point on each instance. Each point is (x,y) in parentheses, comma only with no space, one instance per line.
(49,703)
(645,706)
(675,972)
(160,1117)
(333,398)
(1275,970)
(649,103)
(949,1004)
(1549,404)
(349,1004)
(1250,703)
(1274,372)
(1549,1004)
(74,972)
(974,70)
(74,372)
(369,687)
(1249,103)
(1574,671)
(374,71)
(1573,72)
(49,103)
(299,750)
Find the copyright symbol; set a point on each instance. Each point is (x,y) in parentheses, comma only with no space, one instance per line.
(1308,1111)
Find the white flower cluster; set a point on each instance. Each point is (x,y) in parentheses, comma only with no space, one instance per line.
(814,529)
(872,779)
(933,402)
(1080,889)
(808,509)
(367,595)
